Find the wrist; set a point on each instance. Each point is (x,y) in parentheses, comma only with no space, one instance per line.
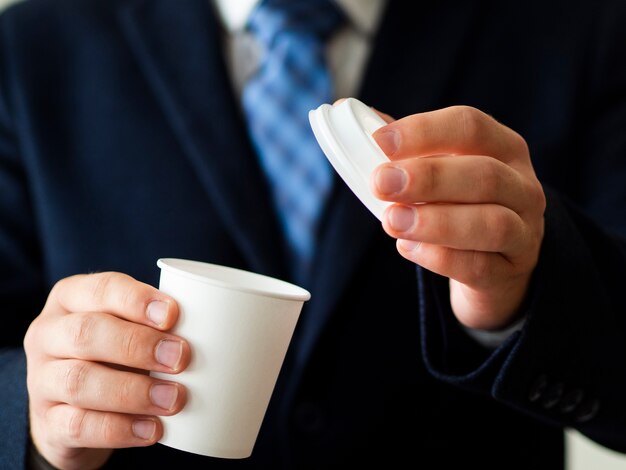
(495,309)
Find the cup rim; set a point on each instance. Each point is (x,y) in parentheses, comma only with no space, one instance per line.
(344,133)
(201,271)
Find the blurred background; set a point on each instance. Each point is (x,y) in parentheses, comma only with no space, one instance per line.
(582,454)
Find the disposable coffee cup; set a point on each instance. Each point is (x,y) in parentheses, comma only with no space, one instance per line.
(239,325)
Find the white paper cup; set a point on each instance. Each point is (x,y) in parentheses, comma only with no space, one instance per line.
(239,325)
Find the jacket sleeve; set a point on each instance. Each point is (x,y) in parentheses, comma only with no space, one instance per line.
(567,366)
(21,292)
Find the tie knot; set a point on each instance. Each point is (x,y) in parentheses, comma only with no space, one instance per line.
(318,18)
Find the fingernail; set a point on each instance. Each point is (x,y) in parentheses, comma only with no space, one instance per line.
(408,245)
(164,395)
(390,180)
(144,428)
(401,218)
(388,140)
(169,353)
(157,312)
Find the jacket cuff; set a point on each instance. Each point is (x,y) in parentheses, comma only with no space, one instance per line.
(14,409)
(564,366)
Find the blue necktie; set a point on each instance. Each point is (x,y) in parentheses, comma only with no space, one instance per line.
(293,78)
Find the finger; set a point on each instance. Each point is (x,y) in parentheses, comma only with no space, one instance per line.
(79,428)
(117,294)
(458,130)
(476,269)
(481,227)
(94,386)
(474,301)
(467,179)
(104,338)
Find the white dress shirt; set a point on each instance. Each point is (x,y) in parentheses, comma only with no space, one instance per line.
(347,53)
(347,56)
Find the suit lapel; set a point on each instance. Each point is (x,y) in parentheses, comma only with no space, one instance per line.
(412,67)
(177,44)
(347,231)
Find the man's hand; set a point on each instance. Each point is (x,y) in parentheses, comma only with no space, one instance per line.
(468,207)
(88,356)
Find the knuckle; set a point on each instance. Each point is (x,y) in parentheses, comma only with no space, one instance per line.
(489,179)
(537,197)
(433,176)
(108,430)
(501,229)
(81,330)
(131,295)
(60,285)
(33,381)
(472,122)
(481,268)
(519,145)
(427,178)
(443,226)
(114,289)
(101,286)
(131,343)
(74,381)
(29,341)
(447,258)
(124,392)
(76,424)
(421,126)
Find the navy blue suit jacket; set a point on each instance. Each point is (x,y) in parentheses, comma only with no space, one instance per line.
(121,142)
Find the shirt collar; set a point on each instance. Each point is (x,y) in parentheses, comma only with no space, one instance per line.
(363,14)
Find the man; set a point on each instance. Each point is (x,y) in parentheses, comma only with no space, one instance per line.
(124,137)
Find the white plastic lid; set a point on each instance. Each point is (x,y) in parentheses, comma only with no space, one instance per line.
(344,132)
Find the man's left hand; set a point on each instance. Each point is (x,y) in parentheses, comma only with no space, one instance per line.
(468,206)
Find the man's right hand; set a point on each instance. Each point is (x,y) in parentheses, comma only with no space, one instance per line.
(88,357)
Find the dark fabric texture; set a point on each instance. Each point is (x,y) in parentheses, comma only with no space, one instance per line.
(121,142)
(14,409)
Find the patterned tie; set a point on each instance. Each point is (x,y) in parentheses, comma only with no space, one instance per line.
(293,78)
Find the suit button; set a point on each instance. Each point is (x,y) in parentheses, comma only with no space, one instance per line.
(538,387)
(587,411)
(571,400)
(552,395)
(309,418)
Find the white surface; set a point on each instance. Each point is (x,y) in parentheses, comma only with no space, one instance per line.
(344,132)
(584,454)
(238,337)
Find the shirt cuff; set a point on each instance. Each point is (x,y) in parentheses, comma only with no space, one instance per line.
(493,339)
